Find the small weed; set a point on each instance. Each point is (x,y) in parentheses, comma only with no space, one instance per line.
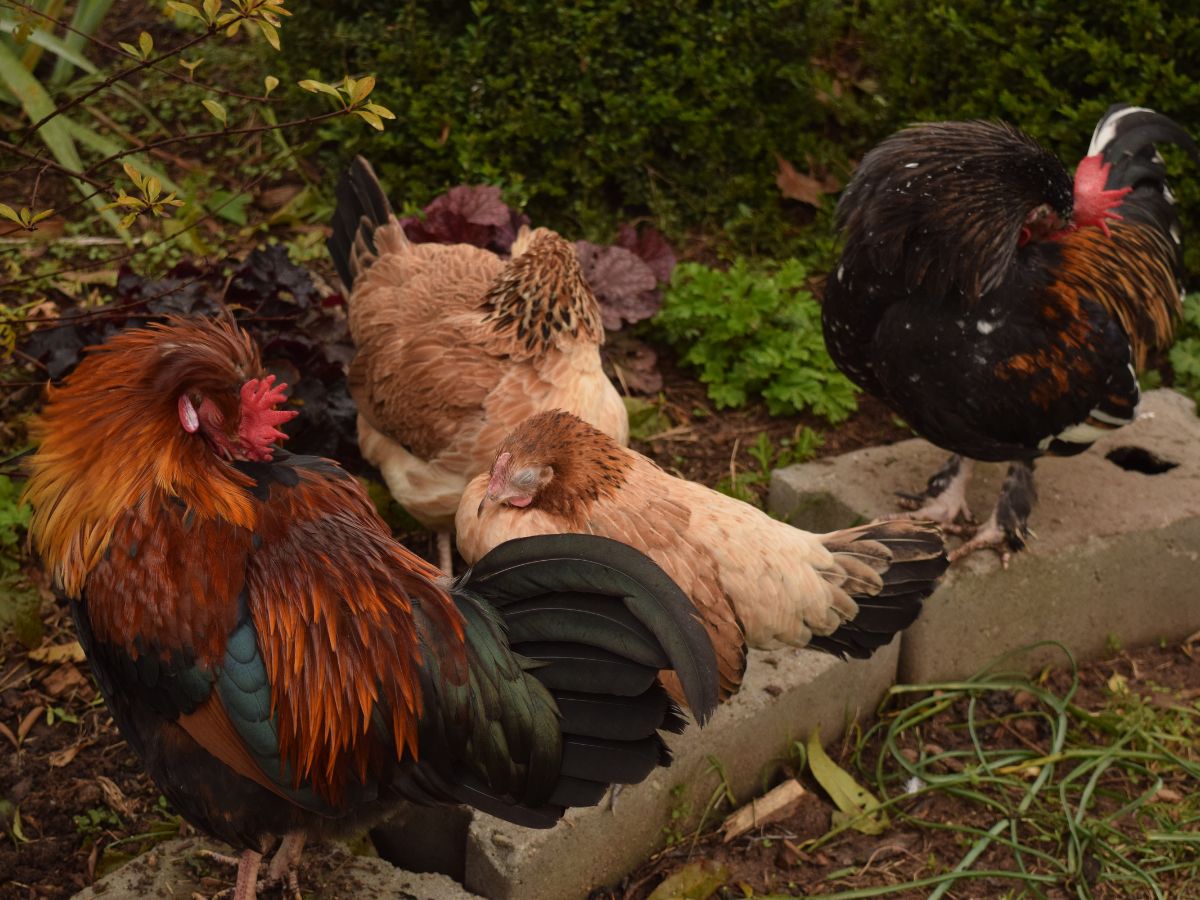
(745,485)
(96,820)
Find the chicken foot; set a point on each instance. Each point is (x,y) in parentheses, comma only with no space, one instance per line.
(281,870)
(944,499)
(1007,529)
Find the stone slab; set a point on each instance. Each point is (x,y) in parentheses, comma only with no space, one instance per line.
(785,695)
(331,873)
(1116,560)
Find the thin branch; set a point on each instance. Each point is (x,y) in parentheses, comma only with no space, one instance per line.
(39,160)
(225,132)
(112,79)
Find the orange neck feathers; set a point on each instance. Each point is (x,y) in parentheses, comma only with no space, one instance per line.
(110,438)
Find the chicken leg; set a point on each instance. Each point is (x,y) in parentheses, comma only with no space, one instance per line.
(944,499)
(247,875)
(1007,529)
(445,552)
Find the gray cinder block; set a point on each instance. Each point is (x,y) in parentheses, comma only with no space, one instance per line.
(1117,557)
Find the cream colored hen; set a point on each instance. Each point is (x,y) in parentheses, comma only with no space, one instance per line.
(756,581)
(456,346)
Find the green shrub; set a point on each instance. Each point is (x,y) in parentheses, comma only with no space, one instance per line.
(1050,66)
(750,333)
(585,112)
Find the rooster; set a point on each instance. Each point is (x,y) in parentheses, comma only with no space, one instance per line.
(456,346)
(282,666)
(1001,310)
(756,581)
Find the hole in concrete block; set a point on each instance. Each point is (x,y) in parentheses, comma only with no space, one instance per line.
(1139,459)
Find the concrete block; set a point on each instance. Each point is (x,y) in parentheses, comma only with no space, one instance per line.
(785,695)
(1116,558)
(165,872)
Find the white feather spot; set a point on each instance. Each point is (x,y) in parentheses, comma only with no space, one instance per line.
(1106,129)
(840,273)
(985,327)
(1168,196)
(1175,233)
(911,165)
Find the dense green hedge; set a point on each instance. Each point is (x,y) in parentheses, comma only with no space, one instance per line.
(666,108)
(590,110)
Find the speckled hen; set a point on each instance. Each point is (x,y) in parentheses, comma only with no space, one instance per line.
(456,346)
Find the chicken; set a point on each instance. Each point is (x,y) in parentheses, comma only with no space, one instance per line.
(1003,312)
(282,666)
(756,581)
(456,346)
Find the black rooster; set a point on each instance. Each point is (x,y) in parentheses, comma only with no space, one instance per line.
(1001,310)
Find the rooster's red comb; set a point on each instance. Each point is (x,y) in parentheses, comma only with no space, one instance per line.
(1093,204)
(258,429)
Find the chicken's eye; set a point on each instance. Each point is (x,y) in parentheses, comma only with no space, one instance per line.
(526,478)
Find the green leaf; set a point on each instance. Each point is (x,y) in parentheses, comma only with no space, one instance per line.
(319,87)
(858,806)
(270,32)
(370,118)
(184,8)
(270,83)
(360,89)
(9,213)
(217,111)
(145,44)
(695,881)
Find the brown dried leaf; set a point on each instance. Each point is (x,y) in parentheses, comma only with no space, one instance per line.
(7,732)
(63,757)
(57,653)
(805,188)
(778,803)
(63,679)
(26,723)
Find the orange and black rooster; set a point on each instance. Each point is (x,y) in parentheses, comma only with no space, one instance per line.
(1003,311)
(282,666)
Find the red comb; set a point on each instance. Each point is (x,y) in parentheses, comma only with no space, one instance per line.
(258,431)
(1093,204)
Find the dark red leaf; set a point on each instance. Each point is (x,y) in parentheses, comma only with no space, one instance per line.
(624,285)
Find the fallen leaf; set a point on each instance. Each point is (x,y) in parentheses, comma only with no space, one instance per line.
(7,732)
(778,803)
(857,805)
(113,797)
(57,653)
(805,188)
(63,757)
(26,723)
(62,680)
(695,881)
(1167,795)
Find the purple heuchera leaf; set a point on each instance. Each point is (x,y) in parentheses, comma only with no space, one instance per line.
(467,215)
(651,247)
(624,285)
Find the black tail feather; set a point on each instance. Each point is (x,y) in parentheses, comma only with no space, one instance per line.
(361,207)
(595,623)
(911,557)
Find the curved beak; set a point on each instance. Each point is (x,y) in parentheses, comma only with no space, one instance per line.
(487,498)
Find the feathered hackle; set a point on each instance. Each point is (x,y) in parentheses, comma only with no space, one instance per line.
(110,435)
